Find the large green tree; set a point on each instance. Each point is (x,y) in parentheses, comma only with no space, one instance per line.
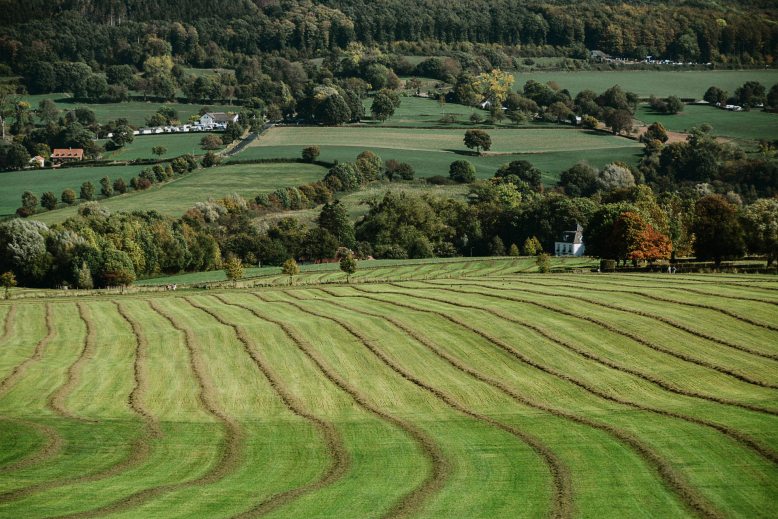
(716,229)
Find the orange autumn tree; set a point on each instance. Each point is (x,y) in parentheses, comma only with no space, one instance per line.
(635,239)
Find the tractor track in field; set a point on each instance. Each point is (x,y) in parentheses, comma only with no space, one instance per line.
(563,504)
(665,320)
(667,473)
(57,401)
(609,327)
(337,450)
(724,311)
(440,465)
(740,437)
(54,441)
(230,458)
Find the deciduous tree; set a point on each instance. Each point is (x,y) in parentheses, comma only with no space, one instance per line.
(290,269)
(478,139)
(716,229)
(349,266)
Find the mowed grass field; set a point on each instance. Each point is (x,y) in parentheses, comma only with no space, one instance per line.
(755,124)
(174,198)
(682,83)
(14,183)
(431,152)
(177,144)
(489,394)
(135,111)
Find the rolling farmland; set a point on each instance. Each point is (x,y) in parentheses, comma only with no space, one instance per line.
(431,151)
(448,389)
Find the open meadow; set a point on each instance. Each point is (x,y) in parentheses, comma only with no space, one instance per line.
(175,197)
(177,144)
(14,183)
(755,124)
(136,112)
(431,389)
(688,84)
(431,151)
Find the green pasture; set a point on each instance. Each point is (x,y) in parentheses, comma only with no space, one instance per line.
(683,83)
(436,388)
(423,112)
(136,112)
(14,183)
(755,124)
(177,144)
(174,198)
(431,152)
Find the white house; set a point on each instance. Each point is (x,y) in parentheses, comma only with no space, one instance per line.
(40,160)
(211,118)
(570,243)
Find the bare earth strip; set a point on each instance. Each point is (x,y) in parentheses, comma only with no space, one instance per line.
(340,456)
(562,492)
(440,465)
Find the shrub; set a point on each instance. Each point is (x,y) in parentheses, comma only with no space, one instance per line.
(462,171)
(68,196)
(311,153)
(120,186)
(210,142)
(49,200)
(87,191)
(543,263)
(143,184)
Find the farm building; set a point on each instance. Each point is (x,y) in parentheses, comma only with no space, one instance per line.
(218,117)
(39,160)
(59,156)
(600,55)
(570,243)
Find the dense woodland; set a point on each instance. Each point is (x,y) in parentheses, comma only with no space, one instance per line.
(216,33)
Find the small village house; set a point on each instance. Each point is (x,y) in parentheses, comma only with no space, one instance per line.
(38,160)
(570,243)
(58,156)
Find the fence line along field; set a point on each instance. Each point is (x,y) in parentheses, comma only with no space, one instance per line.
(481,393)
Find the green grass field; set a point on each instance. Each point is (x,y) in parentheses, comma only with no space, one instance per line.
(135,111)
(740,125)
(485,392)
(14,183)
(686,84)
(431,152)
(176,143)
(422,112)
(174,198)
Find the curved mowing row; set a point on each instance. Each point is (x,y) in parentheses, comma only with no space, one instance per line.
(481,394)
